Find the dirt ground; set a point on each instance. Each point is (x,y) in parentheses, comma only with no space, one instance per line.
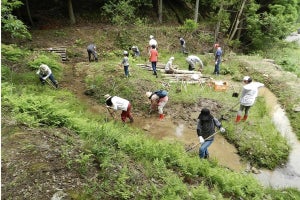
(34,160)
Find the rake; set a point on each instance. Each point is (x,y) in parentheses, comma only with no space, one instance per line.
(204,140)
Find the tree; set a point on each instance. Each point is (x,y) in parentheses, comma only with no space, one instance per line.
(10,24)
(160,5)
(196,11)
(71,12)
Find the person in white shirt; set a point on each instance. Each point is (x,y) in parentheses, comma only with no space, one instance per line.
(152,42)
(248,96)
(169,66)
(45,72)
(193,60)
(118,103)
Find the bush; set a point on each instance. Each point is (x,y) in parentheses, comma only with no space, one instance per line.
(189,26)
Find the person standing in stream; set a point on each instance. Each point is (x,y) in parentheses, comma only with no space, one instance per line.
(248,96)
(206,130)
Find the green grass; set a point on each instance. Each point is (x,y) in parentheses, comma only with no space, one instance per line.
(133,165)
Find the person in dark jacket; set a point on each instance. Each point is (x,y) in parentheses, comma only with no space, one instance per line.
(206,131)
(91,49)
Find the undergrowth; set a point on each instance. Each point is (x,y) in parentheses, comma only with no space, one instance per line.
(133,166)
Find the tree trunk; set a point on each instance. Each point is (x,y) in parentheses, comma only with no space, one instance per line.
(237,20)
(196,11)
(218,23)
(160,4)
(71,13)
(28,13)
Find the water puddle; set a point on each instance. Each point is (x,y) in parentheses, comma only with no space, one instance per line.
(221,150)
(226,154)
(288,175)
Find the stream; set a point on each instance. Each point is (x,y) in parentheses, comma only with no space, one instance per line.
(289,174)
(225,153)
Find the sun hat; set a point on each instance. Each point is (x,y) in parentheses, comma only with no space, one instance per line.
(107,96)
(148,94)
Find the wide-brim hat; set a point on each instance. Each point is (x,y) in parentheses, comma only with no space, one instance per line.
(148,94)
(107,96)
(205,115)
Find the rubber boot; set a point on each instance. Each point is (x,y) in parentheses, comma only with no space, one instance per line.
(238,118)
(245,117)
(161,116)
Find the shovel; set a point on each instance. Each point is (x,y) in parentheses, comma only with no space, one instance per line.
(230,109)
(204,140)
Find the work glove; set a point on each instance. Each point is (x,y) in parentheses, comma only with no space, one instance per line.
(201,139)
(44,78)
(216,62)
(222,130)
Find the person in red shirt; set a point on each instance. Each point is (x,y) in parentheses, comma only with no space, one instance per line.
(153,58)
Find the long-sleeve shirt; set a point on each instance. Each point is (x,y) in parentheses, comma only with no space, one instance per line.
(249,93)
(194,59)
(169,65)
(207,130)
(91,48)
(218,55)
(125,61)
(119,103)
(152,42)
(44,71)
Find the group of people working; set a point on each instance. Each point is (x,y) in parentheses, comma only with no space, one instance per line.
(206,121)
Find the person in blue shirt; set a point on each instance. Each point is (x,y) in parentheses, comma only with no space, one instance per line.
(218,59)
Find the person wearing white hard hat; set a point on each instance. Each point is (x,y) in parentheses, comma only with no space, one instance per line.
(118,103)
(169,66)
(45,72)
(248,96)
(125,64)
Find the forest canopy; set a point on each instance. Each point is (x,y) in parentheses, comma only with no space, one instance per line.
(247,24)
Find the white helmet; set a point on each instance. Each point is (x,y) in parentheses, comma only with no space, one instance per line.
(172,58)
(151,36)
(125,52)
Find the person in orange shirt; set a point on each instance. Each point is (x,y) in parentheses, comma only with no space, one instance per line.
(153,58)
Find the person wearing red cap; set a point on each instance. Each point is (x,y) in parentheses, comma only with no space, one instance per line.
(218,59)
(248,96)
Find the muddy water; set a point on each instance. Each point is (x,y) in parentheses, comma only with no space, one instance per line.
(288,175)
(225,153)
(221,150)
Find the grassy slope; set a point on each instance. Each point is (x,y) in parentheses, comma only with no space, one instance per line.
(112,150)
